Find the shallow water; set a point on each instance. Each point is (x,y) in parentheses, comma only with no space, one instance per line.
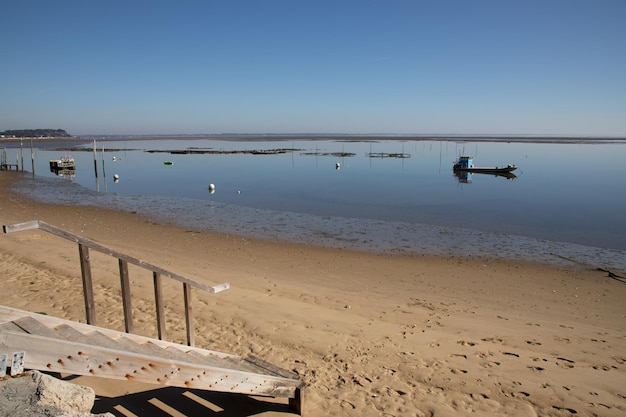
(567,200)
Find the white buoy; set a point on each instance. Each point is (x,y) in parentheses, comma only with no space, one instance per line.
(337,165)
(211,188)
(116,177)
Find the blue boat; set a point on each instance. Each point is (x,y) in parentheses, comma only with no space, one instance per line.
(466,164)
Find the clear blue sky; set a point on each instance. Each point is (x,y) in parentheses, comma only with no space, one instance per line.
(555,67)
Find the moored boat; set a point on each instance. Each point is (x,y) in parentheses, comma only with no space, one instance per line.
(466,163)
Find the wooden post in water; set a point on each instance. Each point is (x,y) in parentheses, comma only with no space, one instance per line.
(22,153)
(95,165)
(104,174)
(32,157)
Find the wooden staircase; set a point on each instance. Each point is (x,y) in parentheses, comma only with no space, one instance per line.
(36,341)
(56,345)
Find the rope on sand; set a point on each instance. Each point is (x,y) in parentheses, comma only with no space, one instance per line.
(569,259)
(610,273)
(613,275)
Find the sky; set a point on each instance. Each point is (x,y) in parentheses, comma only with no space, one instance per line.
(500,67)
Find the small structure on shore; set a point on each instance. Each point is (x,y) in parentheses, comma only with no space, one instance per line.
(66,162)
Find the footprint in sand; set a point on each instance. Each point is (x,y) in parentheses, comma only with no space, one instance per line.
(536,368)
(492,339)
(605,368)
(568,362)
(347,404)
(533,343)
(511,354)
(466,343)
(619,360)
(570,410)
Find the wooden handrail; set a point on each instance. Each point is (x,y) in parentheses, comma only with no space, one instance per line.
(85,244)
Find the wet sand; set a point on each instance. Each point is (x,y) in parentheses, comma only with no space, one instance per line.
(369,334)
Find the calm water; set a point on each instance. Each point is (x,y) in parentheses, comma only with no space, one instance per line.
(567,199)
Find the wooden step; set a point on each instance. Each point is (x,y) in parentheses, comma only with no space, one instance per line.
(57,345)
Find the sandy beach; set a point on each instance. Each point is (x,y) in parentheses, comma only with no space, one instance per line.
(370,335)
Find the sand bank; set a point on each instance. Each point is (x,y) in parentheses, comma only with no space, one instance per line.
(370,334)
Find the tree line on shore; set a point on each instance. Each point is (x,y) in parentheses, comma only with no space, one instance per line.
(35,133)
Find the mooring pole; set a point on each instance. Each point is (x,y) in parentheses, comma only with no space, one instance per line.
(95,164)
(32,156)
(22,153)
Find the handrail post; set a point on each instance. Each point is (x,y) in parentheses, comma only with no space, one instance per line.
(188,316)
(125,284)
(85,268)
(158,299)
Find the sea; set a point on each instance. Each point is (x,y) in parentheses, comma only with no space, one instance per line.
(564,205)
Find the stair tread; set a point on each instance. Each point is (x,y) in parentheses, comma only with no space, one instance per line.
(67,332)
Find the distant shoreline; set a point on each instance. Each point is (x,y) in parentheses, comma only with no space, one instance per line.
(337,137)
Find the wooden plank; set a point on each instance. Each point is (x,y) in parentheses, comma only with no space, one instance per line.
(67,332)
(56,355)
(207,359)
(70,333)
(188,315)
(19,227)
(160,309)
(120,343)
(85,268)
(272,369)
(126,302)
(10,326)
(8,314)
(32,326)
(296,404)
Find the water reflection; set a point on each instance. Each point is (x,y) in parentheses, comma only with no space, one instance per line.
(63,172)
(465,177)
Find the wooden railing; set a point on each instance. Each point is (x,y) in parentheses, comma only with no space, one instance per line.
(85,244)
